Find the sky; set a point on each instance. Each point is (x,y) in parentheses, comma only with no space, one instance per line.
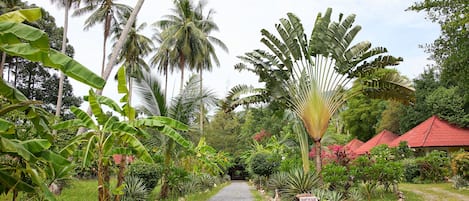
(384,23)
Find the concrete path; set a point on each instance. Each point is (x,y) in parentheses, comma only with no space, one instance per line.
(236,191)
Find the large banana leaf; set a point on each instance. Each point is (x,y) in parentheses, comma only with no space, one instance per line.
(22,15)
(12,146)
(9,182)
(137,146)
(22,40)
(5,126)
(10,93)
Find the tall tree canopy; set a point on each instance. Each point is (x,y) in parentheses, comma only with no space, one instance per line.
(451,49)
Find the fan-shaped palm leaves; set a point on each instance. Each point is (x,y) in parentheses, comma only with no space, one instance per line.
(315,73)
(183,108)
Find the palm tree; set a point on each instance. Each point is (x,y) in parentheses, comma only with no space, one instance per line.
(67,5)
(162,59)
(182,34)
(207,25)
(106,12)
(315,73)
(182,108)
(134,50)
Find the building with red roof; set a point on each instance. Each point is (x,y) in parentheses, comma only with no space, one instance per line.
(435,133)
(353,145)
(385,137)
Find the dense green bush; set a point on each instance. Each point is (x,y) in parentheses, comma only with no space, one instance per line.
(460,164)
(263,163)
(369,171)
(336,176)
(434,167)
(149,173)
(411,170)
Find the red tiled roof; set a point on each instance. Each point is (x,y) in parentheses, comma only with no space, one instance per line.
(434,132)
(385,137)
(353,144)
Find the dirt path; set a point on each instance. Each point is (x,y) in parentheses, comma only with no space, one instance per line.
(430,192)
(236,191)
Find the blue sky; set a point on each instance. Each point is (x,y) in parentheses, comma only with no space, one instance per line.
(384,23)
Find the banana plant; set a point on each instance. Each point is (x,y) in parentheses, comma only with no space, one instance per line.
(18,39)
(30,160)
(107,135)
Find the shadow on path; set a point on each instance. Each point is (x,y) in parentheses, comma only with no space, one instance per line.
(236,191)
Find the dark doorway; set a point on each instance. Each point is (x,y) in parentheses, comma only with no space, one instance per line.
(238,172)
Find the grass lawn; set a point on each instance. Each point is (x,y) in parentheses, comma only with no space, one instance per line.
(80,190)
(433,192)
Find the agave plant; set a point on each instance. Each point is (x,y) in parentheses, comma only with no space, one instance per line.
(313,76)
(134,189)
(299,182)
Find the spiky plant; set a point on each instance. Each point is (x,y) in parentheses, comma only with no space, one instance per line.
(299,182)
(134,189)
(313,76)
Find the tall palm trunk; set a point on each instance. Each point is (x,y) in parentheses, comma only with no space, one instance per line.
(62,76)
(120,43)
(201,120)
(166,82)
(165,188)
(182,60)
(4,56)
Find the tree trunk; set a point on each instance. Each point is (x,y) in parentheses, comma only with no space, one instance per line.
(58,107)
(167,165)
(120,176)
(166,83)
(101,184)
(317,146)
(120,43)
(201,106)
(181,67)
(4,56)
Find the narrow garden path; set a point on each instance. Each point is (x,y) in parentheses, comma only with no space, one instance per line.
(236,191)
(435,192)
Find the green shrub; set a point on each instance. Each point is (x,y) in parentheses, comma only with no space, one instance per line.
(263,163)
(336,176)
(433,167)
(176,178)
(411,170)
(460,165)
(134,189)
(149,173)
(382,172)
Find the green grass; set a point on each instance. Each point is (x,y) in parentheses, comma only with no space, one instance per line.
(80,190)
(257,196)
(440,191)
(203,196)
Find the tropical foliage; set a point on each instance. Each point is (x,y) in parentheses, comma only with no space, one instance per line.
(312,74)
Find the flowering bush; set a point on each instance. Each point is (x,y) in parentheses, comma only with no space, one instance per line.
(335,154)
(261,135)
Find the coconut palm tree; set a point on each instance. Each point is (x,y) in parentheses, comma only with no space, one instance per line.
(182,34)
(133,53)
(315,73)
(182,108)
(207,25)
(162,59)
(67,5)
(106,12)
